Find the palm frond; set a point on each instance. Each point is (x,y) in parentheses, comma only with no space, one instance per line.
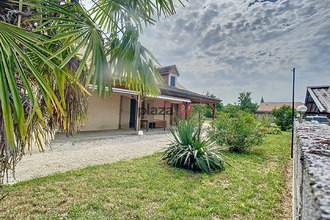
(110,57)
(25,72)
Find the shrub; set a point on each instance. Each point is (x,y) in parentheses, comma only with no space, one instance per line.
(272,129)
(265,119)
(208,113)
(240,133)
(283,117)
(267,124)
(232,110)
(190,151)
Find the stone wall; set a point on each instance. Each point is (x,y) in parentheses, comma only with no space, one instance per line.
(311,178)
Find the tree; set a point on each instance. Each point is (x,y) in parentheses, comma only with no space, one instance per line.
(245,103)
(231,109)
(283,117)
(51,50)
(218,106)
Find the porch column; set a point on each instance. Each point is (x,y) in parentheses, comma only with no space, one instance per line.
(164,116)
(138,113)
(171,116)
(186,115)
(213,111)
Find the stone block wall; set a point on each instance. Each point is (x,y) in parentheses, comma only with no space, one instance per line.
(311,177)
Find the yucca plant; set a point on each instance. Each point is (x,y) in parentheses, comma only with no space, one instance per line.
(189,151)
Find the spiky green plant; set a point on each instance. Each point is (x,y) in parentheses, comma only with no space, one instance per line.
(189,151)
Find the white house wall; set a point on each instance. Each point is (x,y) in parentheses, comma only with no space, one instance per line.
(125,112)
(103,113)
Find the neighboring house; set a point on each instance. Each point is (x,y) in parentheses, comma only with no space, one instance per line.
(121,110)
(267,107)
(318,101)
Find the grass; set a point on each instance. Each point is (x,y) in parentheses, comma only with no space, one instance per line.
(146,188)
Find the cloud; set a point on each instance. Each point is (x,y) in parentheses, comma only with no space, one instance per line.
(233,46)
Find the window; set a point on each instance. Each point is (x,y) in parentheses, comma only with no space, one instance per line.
(173,81)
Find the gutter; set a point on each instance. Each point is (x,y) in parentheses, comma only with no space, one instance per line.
(130,92)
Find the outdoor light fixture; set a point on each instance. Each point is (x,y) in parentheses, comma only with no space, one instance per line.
(301,109)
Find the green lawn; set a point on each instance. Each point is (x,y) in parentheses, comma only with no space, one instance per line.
(146,188)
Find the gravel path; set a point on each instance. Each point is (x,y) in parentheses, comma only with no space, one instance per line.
(65,156)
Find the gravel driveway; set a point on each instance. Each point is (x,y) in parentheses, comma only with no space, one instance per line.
(68,155)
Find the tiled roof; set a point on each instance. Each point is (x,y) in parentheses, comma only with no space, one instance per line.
(269,106)
(166,70)
(184,93)
(180,90)
(180,86)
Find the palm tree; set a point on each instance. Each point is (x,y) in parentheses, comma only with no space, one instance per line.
(51,50)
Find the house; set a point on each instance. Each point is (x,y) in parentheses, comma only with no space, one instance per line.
(267,107)
(129,109)
(317,101)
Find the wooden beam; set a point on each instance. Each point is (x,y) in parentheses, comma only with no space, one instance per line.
(164,116)
(171,116)
(213,112)
(137,115)
(211,105)
(185,116)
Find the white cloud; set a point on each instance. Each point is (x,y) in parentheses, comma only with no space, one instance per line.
(228,47)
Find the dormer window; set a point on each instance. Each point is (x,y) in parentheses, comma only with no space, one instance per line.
(169,75)
(172,81)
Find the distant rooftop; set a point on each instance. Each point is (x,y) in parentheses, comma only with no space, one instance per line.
(267,107)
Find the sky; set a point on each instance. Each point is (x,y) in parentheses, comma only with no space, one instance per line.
(227,47)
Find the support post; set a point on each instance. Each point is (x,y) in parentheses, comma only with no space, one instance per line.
(186,115)
(292,129)
(164,116)
(213,111)
(138,113)
(171,116)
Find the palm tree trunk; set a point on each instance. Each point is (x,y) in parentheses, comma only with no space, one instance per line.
(20,8)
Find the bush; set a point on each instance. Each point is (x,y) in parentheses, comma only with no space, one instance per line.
(283,117)
(267,124)
(208,113)
(232,110)
(190,151)
(272,129)
(240,133)
(265,119)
